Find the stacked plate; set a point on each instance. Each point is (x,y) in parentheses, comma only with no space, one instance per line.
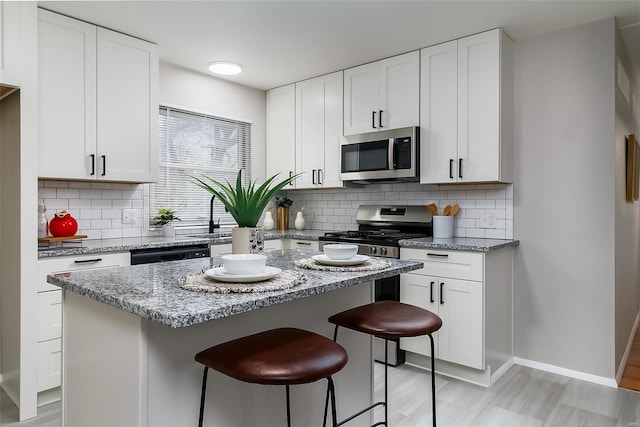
(243,268)
(340,255)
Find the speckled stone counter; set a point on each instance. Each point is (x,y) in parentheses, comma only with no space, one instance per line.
(459,244)
(132,243)
(152,291)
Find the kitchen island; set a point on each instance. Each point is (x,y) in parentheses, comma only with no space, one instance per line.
(130,335)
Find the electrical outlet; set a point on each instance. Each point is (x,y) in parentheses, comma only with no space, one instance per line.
(488,219)
(128,216)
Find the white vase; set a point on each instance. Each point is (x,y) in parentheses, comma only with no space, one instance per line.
(268,221)
(169,230)
(247,240)
(299,222)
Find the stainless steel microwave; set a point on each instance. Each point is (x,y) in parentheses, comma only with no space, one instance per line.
(390,155)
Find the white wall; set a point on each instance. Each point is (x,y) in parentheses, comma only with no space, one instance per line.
(627,217)
(565,199)
(195,91)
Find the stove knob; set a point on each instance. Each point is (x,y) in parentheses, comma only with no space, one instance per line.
(383,251)
(373,250)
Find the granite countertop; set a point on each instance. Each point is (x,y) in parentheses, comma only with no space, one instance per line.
(152,291)
(132,243)
(459,244)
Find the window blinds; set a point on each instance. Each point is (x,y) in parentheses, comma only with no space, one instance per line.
(193,144)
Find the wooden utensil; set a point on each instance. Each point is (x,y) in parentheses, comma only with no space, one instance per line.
(454,210)
(433,209)
(447,210)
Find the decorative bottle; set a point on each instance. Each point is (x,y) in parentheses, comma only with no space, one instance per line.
(299,222)
(43,224)
(268,221)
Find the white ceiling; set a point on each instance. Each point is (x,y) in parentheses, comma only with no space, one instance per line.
(280,42)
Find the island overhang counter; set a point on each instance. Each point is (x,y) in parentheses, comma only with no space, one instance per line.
(130,335)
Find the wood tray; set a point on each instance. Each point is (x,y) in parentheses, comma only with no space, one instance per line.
(60,239)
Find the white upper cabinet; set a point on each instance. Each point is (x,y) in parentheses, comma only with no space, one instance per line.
(98,103)
(466,110)
(281,132)
(318,131)
(382,95)
(10,42)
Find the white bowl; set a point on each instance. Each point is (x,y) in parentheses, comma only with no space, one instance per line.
(244,263)
(340,251)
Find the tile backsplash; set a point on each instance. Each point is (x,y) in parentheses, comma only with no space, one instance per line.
(98,206)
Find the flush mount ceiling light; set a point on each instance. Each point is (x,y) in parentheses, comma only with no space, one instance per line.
(225,68)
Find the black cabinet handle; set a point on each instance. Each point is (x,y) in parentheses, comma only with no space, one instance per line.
(86,261)
(380,118)
(104,165)
(320,176)
(441,293)
(373,119)
(303,243)
(313,176)
(431,291)
(451,168)
(93,164)
(459,168)
(438,255)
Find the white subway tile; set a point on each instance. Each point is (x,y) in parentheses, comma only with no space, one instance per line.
(90,194)
(121,204)
(364,196)
(93,234)
(117,223)
(79,204)
(491,233)
(120,186)
(509,229)
(112,194)
(485,204)
(68,193)
(113,233)
(111,213)
(47,193)
(509,210)
(509,191)
(79,184)
(100,224)
(466,223)
(90,214)
(475,232)
(101,185)
(457,195)
(496,194)
(460,232)
(131,232)
(500,224)
(56,184)
(101,204)
(476,194)
(485,186)
(56,204)
(473,213)
(137,204)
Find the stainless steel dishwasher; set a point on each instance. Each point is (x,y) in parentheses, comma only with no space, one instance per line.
(174,253)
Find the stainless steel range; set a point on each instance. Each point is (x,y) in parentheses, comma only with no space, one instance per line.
(380,229)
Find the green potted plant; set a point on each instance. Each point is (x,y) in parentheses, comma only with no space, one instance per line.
(165,218)
(245,204)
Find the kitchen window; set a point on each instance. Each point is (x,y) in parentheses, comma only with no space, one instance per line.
(195,144)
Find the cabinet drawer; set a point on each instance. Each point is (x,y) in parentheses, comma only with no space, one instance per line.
(304,244)
(49,315)
(49,364)
(454,264)
(74,263)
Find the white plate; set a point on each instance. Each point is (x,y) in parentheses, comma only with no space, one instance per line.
(323,259)
(221,275)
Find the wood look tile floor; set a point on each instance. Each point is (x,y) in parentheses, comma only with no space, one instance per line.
(522,397)
(631,376)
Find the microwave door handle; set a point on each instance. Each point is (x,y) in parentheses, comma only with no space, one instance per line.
(392,154)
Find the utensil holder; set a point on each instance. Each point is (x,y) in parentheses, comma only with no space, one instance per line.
(443,227)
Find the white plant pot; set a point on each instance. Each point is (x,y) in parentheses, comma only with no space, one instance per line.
(247,240)
(169,230)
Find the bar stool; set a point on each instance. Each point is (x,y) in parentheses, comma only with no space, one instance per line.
(284,356)
(389,320)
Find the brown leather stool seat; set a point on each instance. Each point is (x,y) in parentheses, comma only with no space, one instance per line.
(285,356)
(389,320)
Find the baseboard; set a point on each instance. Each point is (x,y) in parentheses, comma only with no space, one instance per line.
(627,350)
(609,382)
(501,371)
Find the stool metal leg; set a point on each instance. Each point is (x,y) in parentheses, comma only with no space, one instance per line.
(288,408)
(386,382)
(334,413)
(326,400)
(433,381)
(202,395)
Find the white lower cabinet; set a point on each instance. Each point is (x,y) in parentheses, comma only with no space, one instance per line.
(456,285)
(300,244)
(50,309)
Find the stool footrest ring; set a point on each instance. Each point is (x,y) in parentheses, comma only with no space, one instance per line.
(367,409)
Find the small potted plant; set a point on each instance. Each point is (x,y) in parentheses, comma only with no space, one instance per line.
(282,212)
(165,218)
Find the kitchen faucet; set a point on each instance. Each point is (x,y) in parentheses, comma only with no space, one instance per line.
(212,225)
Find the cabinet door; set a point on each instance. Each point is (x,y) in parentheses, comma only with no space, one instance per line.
(10,42)
(49,315)
(49,364)
(461,338)
(479,106)
(309,132)
(399,99)
(318,131)
(439,113)
(333,96)
(66,97)
(281,132)
(423,292)
(361,86)
(127,87)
